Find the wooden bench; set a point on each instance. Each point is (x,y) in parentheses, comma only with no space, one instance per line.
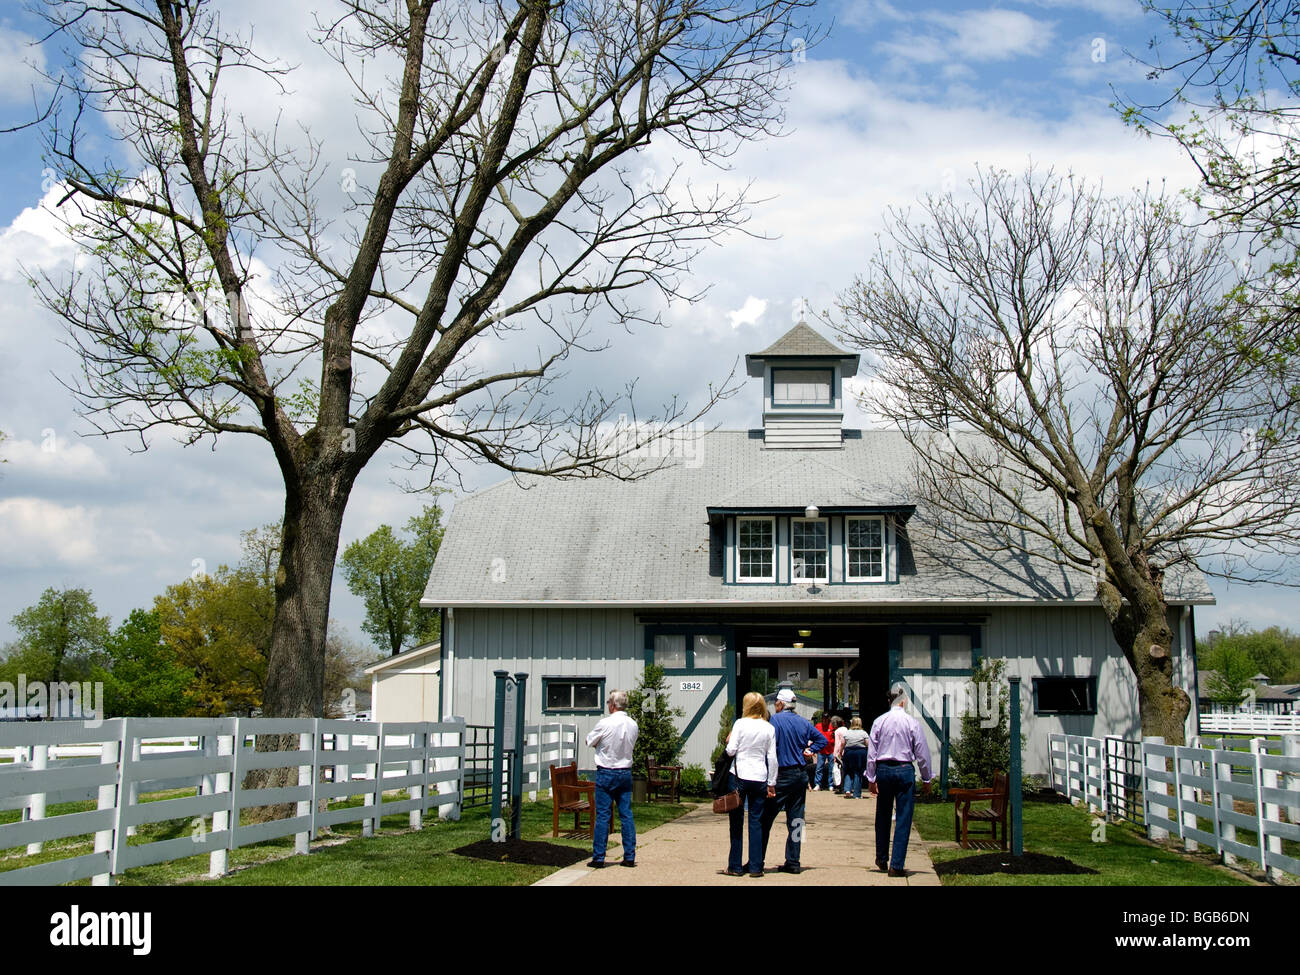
(570,794)
(963,815)
(663,778)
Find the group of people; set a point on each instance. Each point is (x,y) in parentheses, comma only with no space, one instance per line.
(767,758)
(770,755)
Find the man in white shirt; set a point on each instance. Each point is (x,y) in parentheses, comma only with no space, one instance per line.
(614,738)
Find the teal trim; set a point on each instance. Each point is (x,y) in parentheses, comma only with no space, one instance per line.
(699,713)
(724,676)
(576,679)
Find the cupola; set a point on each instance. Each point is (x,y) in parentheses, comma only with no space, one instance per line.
(803,390)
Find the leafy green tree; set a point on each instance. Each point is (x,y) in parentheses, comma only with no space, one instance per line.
(216,626)
(390,575)
(981,751)
(1230,668)
(1273,651)
(658,739)
(142,676)
(60,638)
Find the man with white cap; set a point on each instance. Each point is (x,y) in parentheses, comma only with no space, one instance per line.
(896,741)
(796,740)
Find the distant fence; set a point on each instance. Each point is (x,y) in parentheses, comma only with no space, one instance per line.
(1258,724)
(1241,804)
(117,762)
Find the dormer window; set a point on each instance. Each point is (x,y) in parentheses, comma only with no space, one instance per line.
(809,550)
(865,548)
(756,549)
(802,387)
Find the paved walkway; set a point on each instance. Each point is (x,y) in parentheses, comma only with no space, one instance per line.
(838,849)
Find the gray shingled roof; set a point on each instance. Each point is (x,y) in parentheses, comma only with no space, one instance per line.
(648,541)
(803,340)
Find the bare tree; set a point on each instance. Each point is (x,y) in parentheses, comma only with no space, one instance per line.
(499,188)
(1086,385)
(1233,70)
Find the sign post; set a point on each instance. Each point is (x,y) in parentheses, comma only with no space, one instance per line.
(1017,800)
(508,736)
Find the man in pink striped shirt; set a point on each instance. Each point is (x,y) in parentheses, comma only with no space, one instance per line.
(897,740)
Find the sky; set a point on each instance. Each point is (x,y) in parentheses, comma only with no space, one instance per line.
(894,102)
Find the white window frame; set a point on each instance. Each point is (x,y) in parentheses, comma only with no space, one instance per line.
(740,577)
(848,552)
(825,523)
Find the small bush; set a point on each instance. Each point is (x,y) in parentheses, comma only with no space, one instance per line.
(695,781)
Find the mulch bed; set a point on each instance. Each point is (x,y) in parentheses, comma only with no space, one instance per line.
(534,852)
(1029,863)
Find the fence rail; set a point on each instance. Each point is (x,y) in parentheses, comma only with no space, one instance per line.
(1259,724)
(1241,804)
(118,762)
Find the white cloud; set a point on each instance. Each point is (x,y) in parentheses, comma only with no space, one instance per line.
(20,63)
(54,457)
(748,313)
(972,35)
(38,532)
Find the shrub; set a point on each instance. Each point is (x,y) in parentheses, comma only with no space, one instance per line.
(695,781)
(657,739)
(725,721)
(981,751)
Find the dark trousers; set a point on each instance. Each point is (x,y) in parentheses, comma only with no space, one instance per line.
(896,785)
(613,788)
(791,797)
(753,796)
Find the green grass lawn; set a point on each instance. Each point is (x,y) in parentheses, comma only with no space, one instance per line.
(1060,829)
(395,855)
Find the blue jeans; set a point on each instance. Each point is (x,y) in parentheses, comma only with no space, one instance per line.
(896,785)
(753,795)
(613,786)
(822,776)
(791,796)
(855,764)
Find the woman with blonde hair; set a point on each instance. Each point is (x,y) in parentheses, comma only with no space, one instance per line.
(852,750)
(752,742)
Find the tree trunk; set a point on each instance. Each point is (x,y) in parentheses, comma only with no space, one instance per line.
(295,673)
(1140,624)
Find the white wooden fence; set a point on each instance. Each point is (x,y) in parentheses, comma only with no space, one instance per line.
(424,758)
(1241,804)
(1257,724)
(546,745)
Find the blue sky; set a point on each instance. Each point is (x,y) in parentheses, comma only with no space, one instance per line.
(897,101)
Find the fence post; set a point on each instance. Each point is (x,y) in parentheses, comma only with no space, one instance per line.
(125,794)
(342,772)
(107,800)
(133,789)
(420,740)
(1227,831)
(35,806)
(375,797)
(307,777)
(1291,749)
(222,819)
(1185,794)
(1266,811)
(1152,762)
